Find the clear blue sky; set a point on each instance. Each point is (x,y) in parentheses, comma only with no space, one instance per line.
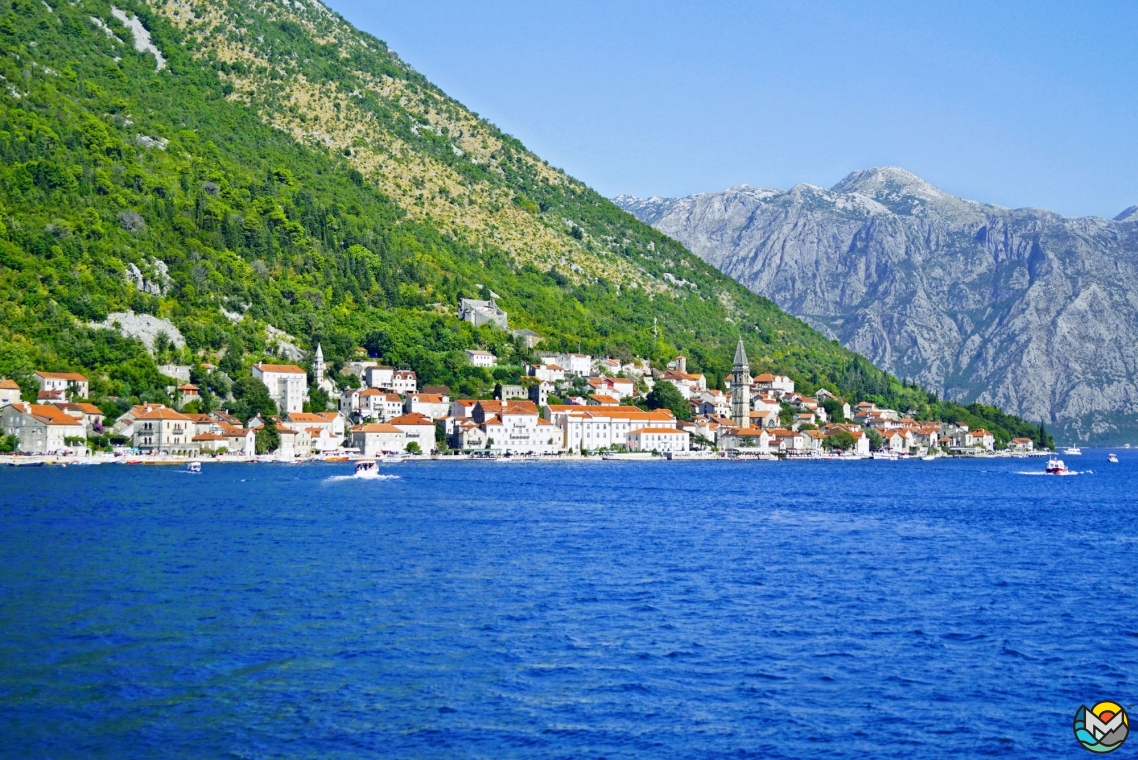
(1015,103)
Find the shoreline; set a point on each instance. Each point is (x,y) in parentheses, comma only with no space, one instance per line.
(35,460)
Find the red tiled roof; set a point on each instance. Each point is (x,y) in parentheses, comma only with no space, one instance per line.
(72,376)
(376,427)
(413,418)
(289,369)
(162,413)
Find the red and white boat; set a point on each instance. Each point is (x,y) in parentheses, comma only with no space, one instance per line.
(1056,467)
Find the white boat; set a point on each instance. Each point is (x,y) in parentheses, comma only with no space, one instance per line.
(928,458)
(194,467)
(366,468)
(1072,451)
(392,458)
(1056,467)
(1112,458)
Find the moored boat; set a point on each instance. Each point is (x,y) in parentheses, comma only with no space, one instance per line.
(1112,458)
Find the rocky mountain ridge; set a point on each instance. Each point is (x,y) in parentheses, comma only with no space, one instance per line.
(1021,308)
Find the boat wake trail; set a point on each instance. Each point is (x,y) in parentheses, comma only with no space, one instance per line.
(1057,474)
(340,478)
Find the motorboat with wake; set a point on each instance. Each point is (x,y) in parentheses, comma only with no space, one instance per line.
(194,468)
(366,468)
(1112,458)
(1056,467)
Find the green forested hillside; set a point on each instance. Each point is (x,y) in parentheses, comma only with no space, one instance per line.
(284,166)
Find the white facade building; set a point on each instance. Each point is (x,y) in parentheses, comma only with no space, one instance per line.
(379,376)
(419,429)
(404,381)
(377,438)
(517,429)
(40,428)
(658,439)
(602,427)
(70,384)
(432,405)
(287,384)
(9,392)
(164,431)
(480,358)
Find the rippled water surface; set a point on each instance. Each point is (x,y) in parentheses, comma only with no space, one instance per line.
(875,609)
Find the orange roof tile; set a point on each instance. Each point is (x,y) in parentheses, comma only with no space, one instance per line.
(413,418)
(376,427)
(72,376)
(288,369)
(162,413)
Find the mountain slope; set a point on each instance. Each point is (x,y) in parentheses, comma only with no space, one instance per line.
(250,171)
(1020,308)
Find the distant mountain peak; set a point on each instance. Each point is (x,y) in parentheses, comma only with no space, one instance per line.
(1021,308)
(1129,215)
(903,192)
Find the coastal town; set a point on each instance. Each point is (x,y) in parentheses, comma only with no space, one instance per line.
(562,405)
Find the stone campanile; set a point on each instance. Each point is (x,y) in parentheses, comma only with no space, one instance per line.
(741,388)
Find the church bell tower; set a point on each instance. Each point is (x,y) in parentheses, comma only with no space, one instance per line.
(741,388)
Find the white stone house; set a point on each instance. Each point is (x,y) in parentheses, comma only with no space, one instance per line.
(40,428)
(658,439)
(404,381)
(756,440)
(164,431)
(379,376)
(241,441)
(517,429)
(575,365)
(980,438)
(778,385)
(549,373)
(330,421)
(210,442)
(419,429)
(604,427)
(375,438)
(431,405)
(465,434)
(9,392)
(287,385)
(480,358)
(71,384)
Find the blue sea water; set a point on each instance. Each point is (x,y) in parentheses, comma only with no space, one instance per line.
(713,609)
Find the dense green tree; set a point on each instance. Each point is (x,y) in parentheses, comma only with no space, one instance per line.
(268,437)
(841,440)
(666,395)
(834,410)
(252,398)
